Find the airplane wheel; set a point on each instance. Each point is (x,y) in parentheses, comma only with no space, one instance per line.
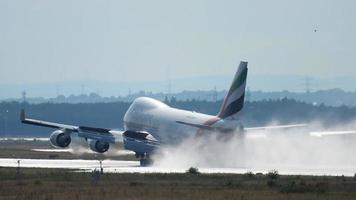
(146,162)
(137,155)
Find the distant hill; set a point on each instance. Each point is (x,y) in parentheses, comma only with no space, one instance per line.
(292,83)
(332,97)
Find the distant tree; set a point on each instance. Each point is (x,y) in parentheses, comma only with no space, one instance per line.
(173,100)
(110,115)
(166,100)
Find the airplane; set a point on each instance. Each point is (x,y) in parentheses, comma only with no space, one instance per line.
(149,124)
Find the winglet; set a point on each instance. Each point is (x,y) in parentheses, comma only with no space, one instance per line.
(22,115)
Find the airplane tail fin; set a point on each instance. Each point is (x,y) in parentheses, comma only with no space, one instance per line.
(234,100)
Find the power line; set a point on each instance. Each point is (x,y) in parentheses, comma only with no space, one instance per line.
(24,96)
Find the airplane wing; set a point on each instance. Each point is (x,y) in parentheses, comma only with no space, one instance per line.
(83,131)
(313,133)
(264,128)
(330,133)
(45,123)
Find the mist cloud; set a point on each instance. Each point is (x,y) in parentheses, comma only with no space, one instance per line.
(274,149)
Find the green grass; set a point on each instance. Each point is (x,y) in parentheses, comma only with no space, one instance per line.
(63,184)
(60,184)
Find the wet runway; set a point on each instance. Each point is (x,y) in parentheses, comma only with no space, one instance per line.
(117,152)
(120,166)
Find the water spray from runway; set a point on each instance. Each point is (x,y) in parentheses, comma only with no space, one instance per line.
(275,149)
(79,146)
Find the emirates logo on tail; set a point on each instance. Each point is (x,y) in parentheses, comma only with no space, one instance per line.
(234,100)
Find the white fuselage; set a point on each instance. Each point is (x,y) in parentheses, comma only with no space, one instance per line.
(160,120)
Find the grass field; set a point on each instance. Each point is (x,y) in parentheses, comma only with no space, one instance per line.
(63,184)
(58,184)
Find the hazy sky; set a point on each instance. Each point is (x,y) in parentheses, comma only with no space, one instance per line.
(43,40)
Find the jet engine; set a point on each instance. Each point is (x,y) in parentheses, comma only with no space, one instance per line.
(60,138)
(98,146)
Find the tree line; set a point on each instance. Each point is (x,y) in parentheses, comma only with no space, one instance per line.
(110,115)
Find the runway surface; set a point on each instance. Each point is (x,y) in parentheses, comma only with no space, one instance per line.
(117,152)
(119,166)
(23,139)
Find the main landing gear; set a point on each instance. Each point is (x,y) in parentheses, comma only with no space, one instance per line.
(145,159)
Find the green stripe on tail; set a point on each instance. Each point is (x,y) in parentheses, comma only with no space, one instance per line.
(234,100)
